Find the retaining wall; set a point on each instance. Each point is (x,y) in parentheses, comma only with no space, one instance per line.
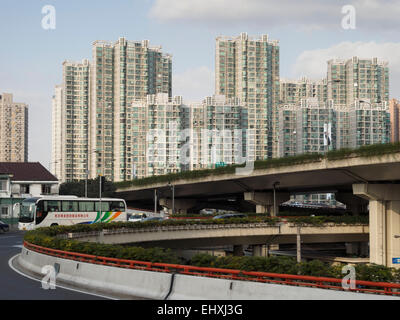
(128,283)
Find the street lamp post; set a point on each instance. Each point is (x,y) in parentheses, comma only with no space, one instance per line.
(274,186)
(155,200)
(86,184)
(173,197)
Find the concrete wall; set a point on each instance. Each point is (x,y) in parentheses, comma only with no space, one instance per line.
(127,283)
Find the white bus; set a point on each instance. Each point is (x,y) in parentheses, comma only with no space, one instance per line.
(68,210)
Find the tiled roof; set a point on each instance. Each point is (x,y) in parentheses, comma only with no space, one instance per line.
(26,171)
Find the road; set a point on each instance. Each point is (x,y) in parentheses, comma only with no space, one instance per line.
(15,286)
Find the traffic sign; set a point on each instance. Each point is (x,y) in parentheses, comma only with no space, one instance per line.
(396,260)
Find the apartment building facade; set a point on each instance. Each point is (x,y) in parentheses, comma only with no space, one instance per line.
(293,91)
(167,135)
(304,127)
(357,79)
(394,110)
(13,130)
(248,68)
(91,109)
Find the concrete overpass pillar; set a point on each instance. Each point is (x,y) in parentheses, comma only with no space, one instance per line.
(238,250)
(354,204)
(181,205)
(272,247)
(384,221)
(259,250)
(264,201)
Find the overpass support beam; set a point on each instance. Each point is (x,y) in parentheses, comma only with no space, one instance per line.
(384,221)
(265,201)
(181,205)
(354,204)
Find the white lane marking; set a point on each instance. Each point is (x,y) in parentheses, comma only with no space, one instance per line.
(58,286)
(18,246)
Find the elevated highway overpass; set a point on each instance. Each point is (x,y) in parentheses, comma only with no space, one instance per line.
(357,181)
(257,234)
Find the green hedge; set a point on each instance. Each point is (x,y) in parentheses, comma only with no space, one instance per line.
(52,237)
(289,265)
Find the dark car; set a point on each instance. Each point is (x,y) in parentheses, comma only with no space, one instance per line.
(4,227)
(152,219)
(230,216)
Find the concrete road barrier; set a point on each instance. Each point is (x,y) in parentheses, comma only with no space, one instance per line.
(114,281)
(128,283)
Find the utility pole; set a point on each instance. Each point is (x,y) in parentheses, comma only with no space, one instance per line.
(298,246)
(86,187)
(155,201)
(100,180)
(173,197)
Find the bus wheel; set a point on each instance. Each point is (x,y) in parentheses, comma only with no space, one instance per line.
(54,225)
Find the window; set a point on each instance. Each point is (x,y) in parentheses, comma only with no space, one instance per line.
(24,189)
(51,206)
(69,206)
(46,189)
(86,206)
(105,206)
(3,185)
(4,211)
(117,206)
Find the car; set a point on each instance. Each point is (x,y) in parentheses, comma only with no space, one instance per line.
(230,216)
(137,217)
(4,227)
(152,219)
(208,211)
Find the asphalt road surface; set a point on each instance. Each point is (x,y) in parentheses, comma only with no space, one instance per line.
(15,286)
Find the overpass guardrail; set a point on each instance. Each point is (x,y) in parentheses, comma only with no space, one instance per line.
(384,288)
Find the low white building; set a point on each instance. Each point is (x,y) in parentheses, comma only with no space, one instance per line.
(21,180)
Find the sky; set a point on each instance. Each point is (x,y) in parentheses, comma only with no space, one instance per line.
(310,32)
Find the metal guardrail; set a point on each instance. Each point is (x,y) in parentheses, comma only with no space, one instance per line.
(264,277)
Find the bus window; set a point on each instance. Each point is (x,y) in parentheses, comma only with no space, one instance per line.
(51,206)
(86,206)
(40,212)
(105,206)
(69,206)
(117,206)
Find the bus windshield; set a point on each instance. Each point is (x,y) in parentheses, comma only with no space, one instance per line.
(27,211)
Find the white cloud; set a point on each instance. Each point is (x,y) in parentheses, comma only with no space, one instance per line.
(194,84)
(313,63)
(306,13)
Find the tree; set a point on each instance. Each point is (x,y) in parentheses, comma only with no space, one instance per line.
(93,187)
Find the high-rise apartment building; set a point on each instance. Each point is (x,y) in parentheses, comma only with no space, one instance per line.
(293,91)
(358,79)
(97,95)
(122,72)
(248,68)
(217,133)
(304,127)
(57,127)
(168,135)
(394,110)
(13,130)
(70,127)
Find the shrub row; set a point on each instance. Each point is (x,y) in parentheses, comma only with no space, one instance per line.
(289,265)
(54,238)
(46,237)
